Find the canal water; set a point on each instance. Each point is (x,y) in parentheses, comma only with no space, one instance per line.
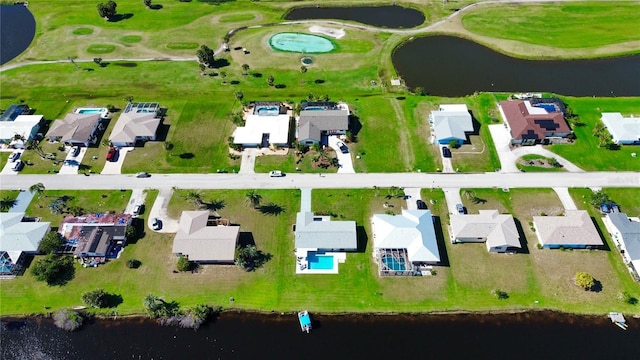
(391,16)
(451,66)
(536,335)
(17,29)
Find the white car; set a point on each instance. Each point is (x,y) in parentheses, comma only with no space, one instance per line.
(276,173)
(137,209)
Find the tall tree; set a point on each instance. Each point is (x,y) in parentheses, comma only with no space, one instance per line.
(51,242)
(37,189)
(270,80)
(107,10)
(245,69)
(303,70)
(205,55)
(252,198)
(7,203)
(194,197)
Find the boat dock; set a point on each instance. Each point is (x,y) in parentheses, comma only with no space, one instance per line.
(618,319)
(305,321)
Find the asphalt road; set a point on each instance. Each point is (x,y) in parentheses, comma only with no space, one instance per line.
(297,181)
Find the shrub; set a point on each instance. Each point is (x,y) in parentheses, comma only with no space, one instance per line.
(67,319)
(96,298)
(54,269)
(584,280)
(133,263)
(183,264)
(626,297)
(500,294)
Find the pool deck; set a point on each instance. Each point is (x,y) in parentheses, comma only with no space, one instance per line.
(301,262)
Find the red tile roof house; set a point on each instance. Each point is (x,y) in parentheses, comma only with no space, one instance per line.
(531,125)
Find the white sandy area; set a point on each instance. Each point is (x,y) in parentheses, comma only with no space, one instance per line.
(334,33)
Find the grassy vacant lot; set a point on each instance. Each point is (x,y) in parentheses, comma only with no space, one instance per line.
(592,24)
(585,152)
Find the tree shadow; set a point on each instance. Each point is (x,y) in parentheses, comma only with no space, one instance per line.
(65,273)
(280,86)
(186,156)
(214,205)
(319,81)
(440,240)
(138,231)
(120,17)
(597,286)
(125,64)
(524,247)
(113,300)
(216,2)
(155,7)
(362,238)
(256,75)
(271,209)
(234,82)
(245,239)
(220,63)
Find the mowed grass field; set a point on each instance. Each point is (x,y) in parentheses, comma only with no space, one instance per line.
(591,24)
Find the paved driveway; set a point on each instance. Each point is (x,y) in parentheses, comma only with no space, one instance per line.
(137,197)
(305,199)
(7,169)
(22,201)
(344,160)
(565,198)
(115,167)
(502,141)
(452,195)
(72,163)
(447,166)
(248,161)
(159,210)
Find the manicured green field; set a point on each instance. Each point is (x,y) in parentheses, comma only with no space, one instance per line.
(580,25)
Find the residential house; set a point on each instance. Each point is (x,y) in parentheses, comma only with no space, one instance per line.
(623,130)
(533,123)
(13,111)
(574,230)
(22,129)
(625,231)
(76,129)
(497,231)
(139,122)
(95,237)
(404,244)
(266,124)
(19,236)
(206,240)
(451,123)
(318,120)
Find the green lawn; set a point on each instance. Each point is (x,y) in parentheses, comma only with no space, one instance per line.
(585,152)
(579,25)
(538,161)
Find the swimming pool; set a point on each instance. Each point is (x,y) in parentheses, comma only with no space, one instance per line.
(267,111)
(315,108)
(301,43)
(103,111)
(394,264)
(319,262)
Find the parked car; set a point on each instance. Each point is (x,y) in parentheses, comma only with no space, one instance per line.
(137,209)
(156,224)
(111,155)
(18,166)
(276,173)
(343,148)
(421,205)
(14,156)
(75,151)
(143,174)
(460,209)
(446,152)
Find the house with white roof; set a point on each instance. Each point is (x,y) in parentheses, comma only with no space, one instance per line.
(206,240)
(17,132)
(497,231)
(574,230)
(136,126)
(404,244)
(266,124)
(625,231)
(623,130)
(19,235)
(451,123)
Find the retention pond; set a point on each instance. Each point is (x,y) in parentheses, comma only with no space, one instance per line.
(391,16)
(17,29)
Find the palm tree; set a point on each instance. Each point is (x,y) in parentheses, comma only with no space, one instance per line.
(303,70)
(37,189)
(252,198)
(7,203)
(239,95)
(270,80)
(150,302)
(245,69)
(194,197)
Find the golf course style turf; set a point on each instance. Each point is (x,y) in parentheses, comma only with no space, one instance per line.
(393,138)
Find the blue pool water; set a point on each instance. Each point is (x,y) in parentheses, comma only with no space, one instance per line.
(320,262)
(89,111)
(267,110)
(549,107)
(393,263)
(315,108)
(301,43)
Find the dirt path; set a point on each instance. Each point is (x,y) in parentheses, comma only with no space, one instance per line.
(405,143)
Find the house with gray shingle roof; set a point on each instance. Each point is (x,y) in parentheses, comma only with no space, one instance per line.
(625,231)
(623,130)
(497,231)
(76,129)
(319,232)
(574,230)
(205,240)
(451,123)
(133,127)
(19,235)
(321,119)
